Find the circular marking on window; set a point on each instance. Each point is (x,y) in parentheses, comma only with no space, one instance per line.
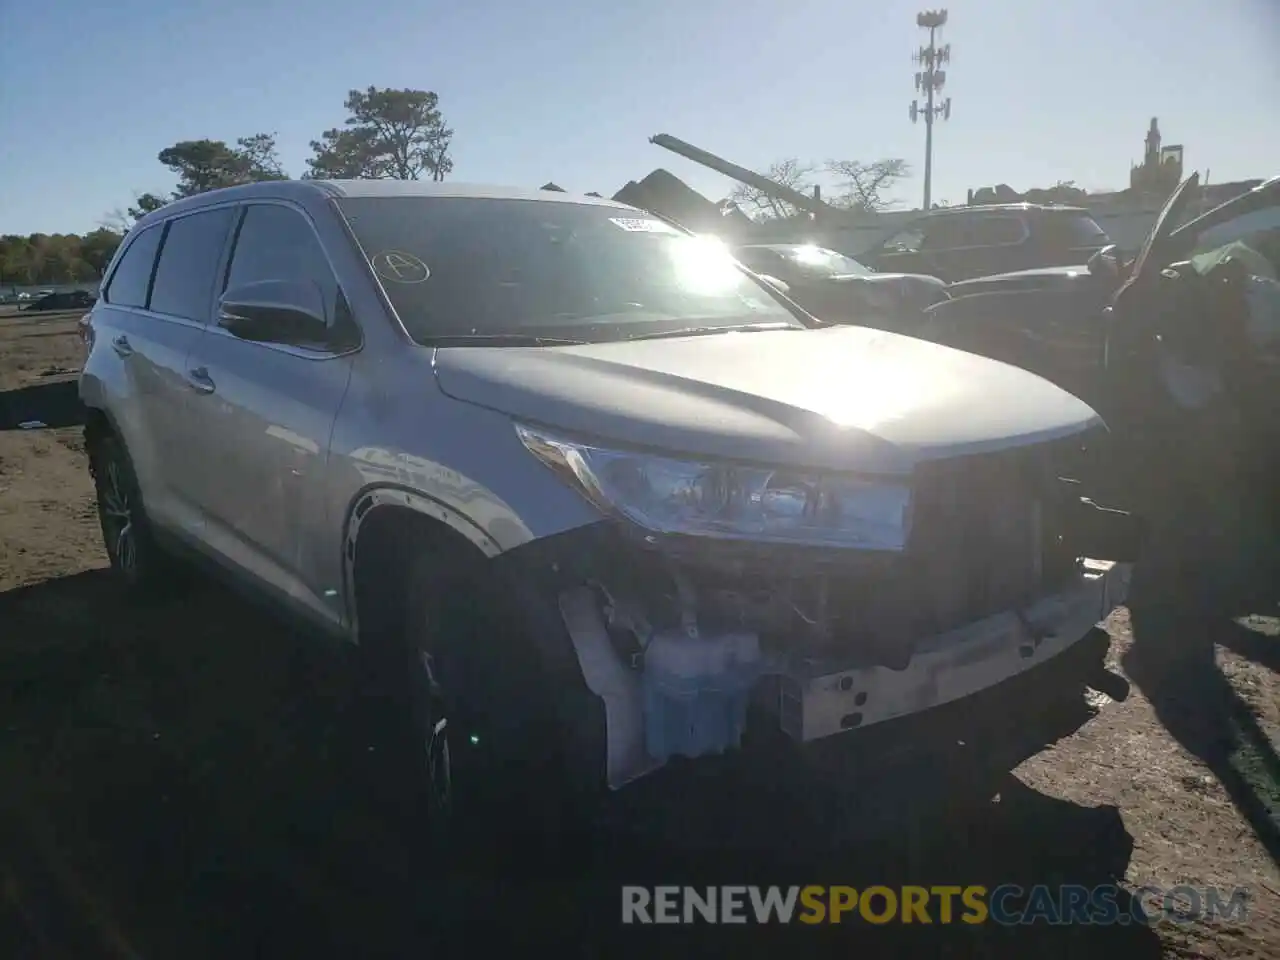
(399,267)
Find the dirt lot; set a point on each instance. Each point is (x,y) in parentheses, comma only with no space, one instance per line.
(191,780)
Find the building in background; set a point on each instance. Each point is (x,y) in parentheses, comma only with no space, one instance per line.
(1161,167)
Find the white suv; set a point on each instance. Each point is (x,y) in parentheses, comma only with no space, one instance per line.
(591,499)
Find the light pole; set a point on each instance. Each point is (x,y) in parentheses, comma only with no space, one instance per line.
(929,80)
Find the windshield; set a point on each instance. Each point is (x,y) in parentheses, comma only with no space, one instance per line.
(511,268)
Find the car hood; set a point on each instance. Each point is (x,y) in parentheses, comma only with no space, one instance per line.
(839,398)
(1055,277)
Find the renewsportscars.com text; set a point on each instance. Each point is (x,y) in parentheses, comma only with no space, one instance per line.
(1006,905)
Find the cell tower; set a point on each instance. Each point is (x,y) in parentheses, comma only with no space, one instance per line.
(930,79)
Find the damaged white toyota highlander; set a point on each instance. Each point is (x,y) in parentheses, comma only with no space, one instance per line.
(604,514)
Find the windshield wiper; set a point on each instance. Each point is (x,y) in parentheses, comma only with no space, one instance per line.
(702,331)
(497,339)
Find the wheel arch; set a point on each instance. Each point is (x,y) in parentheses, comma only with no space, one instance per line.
(98,423)
(380,524)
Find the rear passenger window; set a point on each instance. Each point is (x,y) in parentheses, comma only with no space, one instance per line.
(278,243)
(996,231)
(188,264)
(132,277)
(947,233)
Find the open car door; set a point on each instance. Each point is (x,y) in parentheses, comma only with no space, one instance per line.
(1130,319)
(1140,271)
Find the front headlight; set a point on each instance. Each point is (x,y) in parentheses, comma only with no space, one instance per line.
(670,496)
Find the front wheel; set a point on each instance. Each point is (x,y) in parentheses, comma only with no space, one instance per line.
(475,726)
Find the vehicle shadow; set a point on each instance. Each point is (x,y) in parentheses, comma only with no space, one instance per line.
(192,779)
(53,404)
(1178,616)
(1172,662)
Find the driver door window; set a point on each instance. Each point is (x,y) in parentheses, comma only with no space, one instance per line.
(277,243)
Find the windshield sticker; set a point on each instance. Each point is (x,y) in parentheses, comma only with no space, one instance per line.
(399,267)
(640,225)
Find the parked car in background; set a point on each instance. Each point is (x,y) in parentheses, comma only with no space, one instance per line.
(71,300)
(1204,295)
(1191,323)
(957,243)
(1098,274)
(583,492)
(840,289)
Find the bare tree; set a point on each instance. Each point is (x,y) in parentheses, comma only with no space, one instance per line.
(857,186)
(117,220)
(121,219)
(789,173)
(865,186)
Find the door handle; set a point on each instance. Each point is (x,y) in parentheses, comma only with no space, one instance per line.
(122,346)
(200,381)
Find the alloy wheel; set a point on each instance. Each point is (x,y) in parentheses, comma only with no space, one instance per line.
(118,519)
(439,769)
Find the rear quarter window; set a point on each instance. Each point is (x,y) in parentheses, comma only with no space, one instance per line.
(130,283)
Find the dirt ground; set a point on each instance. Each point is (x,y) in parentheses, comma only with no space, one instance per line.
(190,779)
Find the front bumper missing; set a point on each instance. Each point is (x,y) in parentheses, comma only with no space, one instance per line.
(921,771)
(952,665)
(947,668)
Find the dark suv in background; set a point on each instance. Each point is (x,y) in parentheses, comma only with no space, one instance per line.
(69,300)
(962,242)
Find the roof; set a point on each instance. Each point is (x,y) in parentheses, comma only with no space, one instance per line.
(301,190)
(429,188)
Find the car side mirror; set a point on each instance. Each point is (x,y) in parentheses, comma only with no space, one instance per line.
(277,311)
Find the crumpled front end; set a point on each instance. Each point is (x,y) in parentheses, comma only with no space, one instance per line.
(694,642)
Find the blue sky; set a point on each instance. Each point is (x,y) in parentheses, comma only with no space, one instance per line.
(570,90)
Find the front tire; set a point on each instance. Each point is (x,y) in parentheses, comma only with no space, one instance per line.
(475,727)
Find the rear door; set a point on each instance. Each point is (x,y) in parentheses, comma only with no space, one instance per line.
(191,259)
(264,415)
(146,390)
